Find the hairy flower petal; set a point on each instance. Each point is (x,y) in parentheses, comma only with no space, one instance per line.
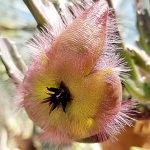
(72,89)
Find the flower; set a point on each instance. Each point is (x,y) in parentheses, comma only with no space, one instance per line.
(72,89)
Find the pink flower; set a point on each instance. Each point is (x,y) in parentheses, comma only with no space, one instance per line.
(72,89)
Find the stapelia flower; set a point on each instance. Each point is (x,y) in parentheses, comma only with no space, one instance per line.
(72,89)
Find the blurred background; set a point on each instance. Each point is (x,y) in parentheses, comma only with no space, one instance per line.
(17,131)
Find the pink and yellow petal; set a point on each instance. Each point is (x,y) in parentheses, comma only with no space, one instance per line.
(82,41)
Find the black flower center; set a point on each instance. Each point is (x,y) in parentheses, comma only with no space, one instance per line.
(58,96)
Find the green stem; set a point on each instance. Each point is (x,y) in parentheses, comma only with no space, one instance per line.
(136,92)
(144,30)
(135,75)
(31,4)
(141,61)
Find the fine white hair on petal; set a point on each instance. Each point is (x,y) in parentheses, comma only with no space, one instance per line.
(43,39)
(116,63)
(124,117)
(110,57)
(102,136)
(63,15)
(120,68)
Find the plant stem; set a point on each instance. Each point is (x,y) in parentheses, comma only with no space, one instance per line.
(31,4)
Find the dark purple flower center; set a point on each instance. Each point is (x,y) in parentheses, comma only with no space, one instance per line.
(58,96)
